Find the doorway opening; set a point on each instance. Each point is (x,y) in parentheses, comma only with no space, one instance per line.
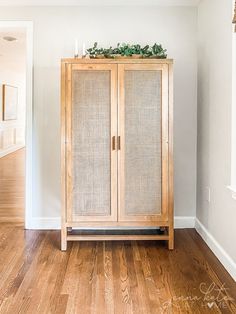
(15,122)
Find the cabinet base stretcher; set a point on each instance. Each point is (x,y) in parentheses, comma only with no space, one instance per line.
(163,233)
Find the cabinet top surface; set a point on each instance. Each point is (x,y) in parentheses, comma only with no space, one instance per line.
(120,60)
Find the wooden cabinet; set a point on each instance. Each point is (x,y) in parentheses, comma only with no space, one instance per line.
(116,152)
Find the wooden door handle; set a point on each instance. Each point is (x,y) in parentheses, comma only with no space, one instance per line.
(113,143)
(118,143)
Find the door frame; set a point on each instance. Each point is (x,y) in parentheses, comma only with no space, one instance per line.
(28,25)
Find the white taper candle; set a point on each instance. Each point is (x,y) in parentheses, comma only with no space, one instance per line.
(84,50)
(76,48)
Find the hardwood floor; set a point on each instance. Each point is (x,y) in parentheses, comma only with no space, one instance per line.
(12,187)
(111,277)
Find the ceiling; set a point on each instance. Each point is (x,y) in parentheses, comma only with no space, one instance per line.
(98,2)
(13,54)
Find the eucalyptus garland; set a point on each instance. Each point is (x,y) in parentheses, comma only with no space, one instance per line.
(127,50)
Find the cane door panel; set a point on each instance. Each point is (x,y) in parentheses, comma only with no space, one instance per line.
(143,134)
(91,131)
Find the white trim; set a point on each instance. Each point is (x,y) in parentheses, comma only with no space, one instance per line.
(181,222)
(28,25)
(10,150)
(233,191)
(44,223)
(217,249)
(54,223)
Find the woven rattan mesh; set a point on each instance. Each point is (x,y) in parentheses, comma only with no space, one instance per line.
(91,142)
(142,142)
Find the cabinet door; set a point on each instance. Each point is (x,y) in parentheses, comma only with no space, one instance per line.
(91,131)
(143,132)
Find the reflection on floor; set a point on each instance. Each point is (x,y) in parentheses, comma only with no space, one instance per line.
(12,187)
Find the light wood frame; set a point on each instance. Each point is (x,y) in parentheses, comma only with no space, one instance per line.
(69,134)
(163,68)
(165,220)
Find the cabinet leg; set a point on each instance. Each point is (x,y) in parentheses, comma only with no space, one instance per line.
(171,239)
(64,239)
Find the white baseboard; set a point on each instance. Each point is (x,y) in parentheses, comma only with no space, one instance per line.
(54,223)
(182,222)
(10,150)
(217,249)
(47,223)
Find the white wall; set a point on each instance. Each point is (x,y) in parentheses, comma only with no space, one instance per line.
(214,126)
(12,132)
(55,29)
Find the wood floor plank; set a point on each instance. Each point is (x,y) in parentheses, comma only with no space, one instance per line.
(145,306)
(98,282)
(159,269)
(12,187)
(87,277)
(124,280)
(152,293)
(108,274)
(133,283)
